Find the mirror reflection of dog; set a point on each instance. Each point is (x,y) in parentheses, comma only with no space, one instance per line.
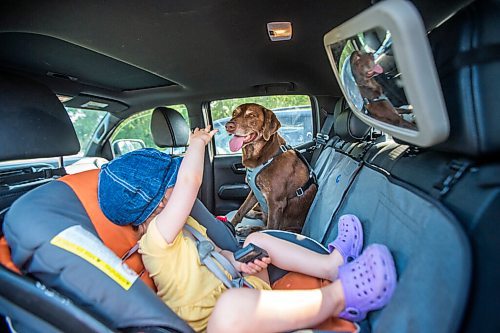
(282,181)
(364,69)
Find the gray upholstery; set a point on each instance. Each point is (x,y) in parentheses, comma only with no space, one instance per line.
(338,171)
(335,171)
(168,128)
(34,116)
(431,253)
(467,55)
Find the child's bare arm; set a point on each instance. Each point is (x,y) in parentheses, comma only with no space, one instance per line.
(172,218)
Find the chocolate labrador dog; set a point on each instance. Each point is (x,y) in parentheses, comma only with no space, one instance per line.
(364,69)
(282,181)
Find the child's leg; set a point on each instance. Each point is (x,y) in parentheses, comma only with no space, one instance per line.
(289,256)
(295,258)
(250,310)
(364,285)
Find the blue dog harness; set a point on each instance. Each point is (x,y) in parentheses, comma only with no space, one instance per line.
(252,174)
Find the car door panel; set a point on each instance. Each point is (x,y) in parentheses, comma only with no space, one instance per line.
(230,188)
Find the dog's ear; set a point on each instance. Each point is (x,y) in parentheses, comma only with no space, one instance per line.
(271,124)
(355,56)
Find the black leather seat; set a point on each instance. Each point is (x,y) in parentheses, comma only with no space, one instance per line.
(168,128)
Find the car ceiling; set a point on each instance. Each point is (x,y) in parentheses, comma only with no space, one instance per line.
(149,53)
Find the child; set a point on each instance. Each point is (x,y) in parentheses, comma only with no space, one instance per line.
(138,189)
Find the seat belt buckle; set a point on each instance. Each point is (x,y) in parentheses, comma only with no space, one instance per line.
(205,248)
(321,138)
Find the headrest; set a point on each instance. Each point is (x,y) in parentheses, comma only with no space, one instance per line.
(347,126)
(467,54)
(33,122)
(168,127)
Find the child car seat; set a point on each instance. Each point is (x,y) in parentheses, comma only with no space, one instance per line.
(43,215)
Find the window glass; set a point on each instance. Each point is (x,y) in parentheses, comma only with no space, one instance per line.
(135,133)
(293,111)
(85,123)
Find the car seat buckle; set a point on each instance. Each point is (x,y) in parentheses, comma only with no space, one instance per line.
(322,139)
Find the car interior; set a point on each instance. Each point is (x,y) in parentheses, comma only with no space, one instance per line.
(82,83)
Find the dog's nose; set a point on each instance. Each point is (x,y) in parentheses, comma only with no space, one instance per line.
(230,126)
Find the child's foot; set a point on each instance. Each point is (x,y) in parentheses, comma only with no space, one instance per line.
(368,282)
(349,241)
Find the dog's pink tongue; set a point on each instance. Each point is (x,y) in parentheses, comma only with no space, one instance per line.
(236,143)
(378,69)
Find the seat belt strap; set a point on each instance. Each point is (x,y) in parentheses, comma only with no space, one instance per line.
(323,136)
(212,259)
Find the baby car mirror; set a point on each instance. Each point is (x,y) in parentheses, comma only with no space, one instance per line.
(383,64)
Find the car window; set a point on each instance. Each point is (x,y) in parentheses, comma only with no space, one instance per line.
(135,133)
(85,123)
(293,111)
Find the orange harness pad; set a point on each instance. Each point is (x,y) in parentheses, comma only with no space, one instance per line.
(120,239)
(300,281)
(5,258)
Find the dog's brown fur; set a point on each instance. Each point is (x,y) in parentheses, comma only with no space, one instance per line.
(279,180)
(362,65)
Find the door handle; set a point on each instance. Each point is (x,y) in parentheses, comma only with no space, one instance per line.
(238,168)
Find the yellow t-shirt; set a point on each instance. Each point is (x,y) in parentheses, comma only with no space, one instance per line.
(183,283)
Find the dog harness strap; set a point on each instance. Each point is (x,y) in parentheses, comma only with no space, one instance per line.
(251,178)
(374,100)
(252,174)
(213,260)
(312,176)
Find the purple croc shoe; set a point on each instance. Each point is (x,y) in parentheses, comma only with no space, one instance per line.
(368,282)
(349,241)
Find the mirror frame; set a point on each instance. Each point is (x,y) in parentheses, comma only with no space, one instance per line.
(415,63)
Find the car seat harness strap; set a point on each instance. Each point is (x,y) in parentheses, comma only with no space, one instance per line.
(216,262)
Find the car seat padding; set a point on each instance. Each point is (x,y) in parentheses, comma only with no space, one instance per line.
(40,216)
(5,258)
(120,239)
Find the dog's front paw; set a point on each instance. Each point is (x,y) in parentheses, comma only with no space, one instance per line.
(253,214)
(245,230)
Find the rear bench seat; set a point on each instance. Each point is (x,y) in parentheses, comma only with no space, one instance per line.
(430,205)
